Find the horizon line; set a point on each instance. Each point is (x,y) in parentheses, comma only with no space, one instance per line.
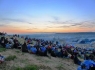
(50,32)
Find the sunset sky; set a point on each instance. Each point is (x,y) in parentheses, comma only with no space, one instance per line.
(29,16)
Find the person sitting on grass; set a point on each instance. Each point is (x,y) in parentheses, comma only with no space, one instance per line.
(92,65)
(6,41)
(87,64)
(16,43)
(92,62)
(82,67)
(33,50)
(2,42)
(53,53)
(11,42)
(43,51)
(8,46)
(29,47)
(49,48)
(64,53)
(1,59)
(76,60)
(24,47)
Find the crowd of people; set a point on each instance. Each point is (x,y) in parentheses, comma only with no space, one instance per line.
(45,48)
(3,33)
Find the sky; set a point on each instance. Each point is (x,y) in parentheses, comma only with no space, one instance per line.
(30,16)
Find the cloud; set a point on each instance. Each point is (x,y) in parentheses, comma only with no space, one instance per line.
(51,21)
(93,22)
(31,28)
(63,26)
(30,23)
(61,22)
(55,18)
(49,27)
(2,25)
(81,23)
(76,24)
(7,25)
(88,24)
(28,29)
(15,20)
(71,25)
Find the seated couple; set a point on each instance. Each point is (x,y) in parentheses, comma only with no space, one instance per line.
(31,49)
(42,51)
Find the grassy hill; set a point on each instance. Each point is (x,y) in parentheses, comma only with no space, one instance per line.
(17,60)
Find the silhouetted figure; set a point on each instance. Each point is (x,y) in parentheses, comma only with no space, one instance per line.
(2,41)
(24,47)
(76,60)
(16,43)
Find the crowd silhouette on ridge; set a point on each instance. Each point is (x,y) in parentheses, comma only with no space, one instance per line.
(46,48)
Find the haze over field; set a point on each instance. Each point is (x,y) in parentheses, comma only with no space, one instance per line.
(28,16)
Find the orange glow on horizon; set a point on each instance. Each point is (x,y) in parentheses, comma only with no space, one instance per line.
(23,30)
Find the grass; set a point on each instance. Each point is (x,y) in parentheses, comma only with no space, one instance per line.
(42,67)
(28,67)
(2,49)
(60,67)
(3,66)
(47,61)
(31,67)
(49,57)
(22,53)
(11,57)
(24,60)
(38,58)
(17,51)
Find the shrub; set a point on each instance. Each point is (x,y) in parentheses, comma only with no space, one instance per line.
(18,68)
(11,57)
(2,49)
(29,67)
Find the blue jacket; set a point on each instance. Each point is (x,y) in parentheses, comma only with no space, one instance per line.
(43,49)
(28,46)
(79,68)
(33,49)
(88,63)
